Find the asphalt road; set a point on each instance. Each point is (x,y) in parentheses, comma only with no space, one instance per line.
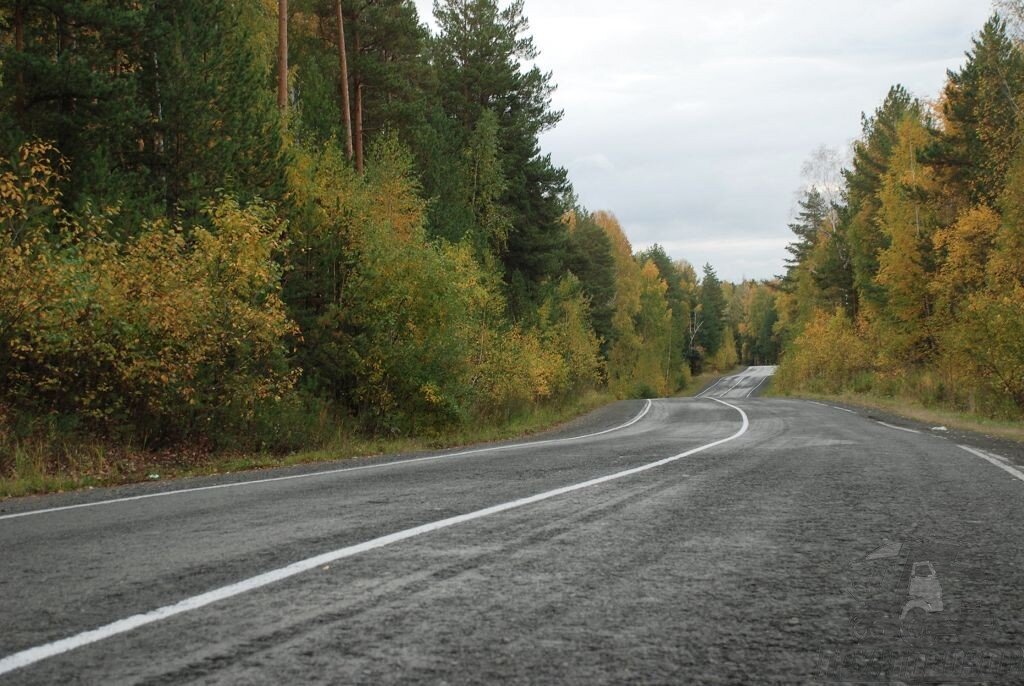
(747,384)
(709,541)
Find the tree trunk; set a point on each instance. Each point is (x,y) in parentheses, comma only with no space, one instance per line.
(282,54)
(359,115)
(19,46)
(346,106)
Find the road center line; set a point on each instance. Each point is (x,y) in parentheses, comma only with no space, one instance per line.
(48,650)
(1002,465)
(330,472)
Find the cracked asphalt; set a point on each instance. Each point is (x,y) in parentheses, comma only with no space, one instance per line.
(788,554)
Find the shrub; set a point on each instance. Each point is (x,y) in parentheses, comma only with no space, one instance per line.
(172,333)
(829,356)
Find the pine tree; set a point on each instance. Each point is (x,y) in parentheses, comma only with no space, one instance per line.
(71,75)
(712,305)
(589,258)
(982,117)
(217,127)
(479,55)
(814,211)
(871,154)
(389,71)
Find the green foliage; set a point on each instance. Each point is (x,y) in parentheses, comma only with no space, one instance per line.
(589,258)
(680,303)
(216,124)
(981,113)
(712,312)
(485,184)
(479,54)
(758,340)
(183,262)
(74,82)
(871,154)
(175,333)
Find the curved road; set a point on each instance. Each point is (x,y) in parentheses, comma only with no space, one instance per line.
(747,384)
(720,539)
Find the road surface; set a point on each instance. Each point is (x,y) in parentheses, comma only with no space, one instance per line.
(712,540)
(746,384)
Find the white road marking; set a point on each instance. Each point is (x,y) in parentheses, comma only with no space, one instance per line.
(836,407)
(815,402)
(33,655)
(712,386)
(757,386)
(330,472)
(996,460)
(898,428)
(739,379)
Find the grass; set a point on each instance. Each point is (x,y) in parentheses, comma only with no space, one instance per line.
(916,410)
(87,466)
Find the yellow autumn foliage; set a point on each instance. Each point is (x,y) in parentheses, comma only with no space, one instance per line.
(168,332)
(826,357)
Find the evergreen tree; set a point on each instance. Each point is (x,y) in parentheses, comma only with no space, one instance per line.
(679,305)
(216,125)
(981,116)
(712,306)
(871,154)
(71,75)
(589,258)
(814,211)
(391,76)
(478,56)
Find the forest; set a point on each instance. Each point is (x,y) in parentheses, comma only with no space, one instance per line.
(241,225)
(906,278)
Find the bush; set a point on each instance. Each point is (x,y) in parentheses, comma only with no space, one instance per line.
(829,356)
(171,334)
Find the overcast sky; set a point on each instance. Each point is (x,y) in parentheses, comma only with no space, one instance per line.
(690,120)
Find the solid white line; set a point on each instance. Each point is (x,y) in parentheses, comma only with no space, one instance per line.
(48,650)
(712,387)
(898,428)
(739,379)
(757,386)
(330,472)
(836,407)
(991,458)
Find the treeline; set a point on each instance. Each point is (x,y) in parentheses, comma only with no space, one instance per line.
(909,280)
(223,227)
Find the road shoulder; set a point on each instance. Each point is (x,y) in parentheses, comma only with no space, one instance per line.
(1005,447)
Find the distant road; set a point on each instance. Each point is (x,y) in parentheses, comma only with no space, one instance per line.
(747,384)
(703,540)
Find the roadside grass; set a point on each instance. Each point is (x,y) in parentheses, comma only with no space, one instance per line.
(916,410)
(39,467)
